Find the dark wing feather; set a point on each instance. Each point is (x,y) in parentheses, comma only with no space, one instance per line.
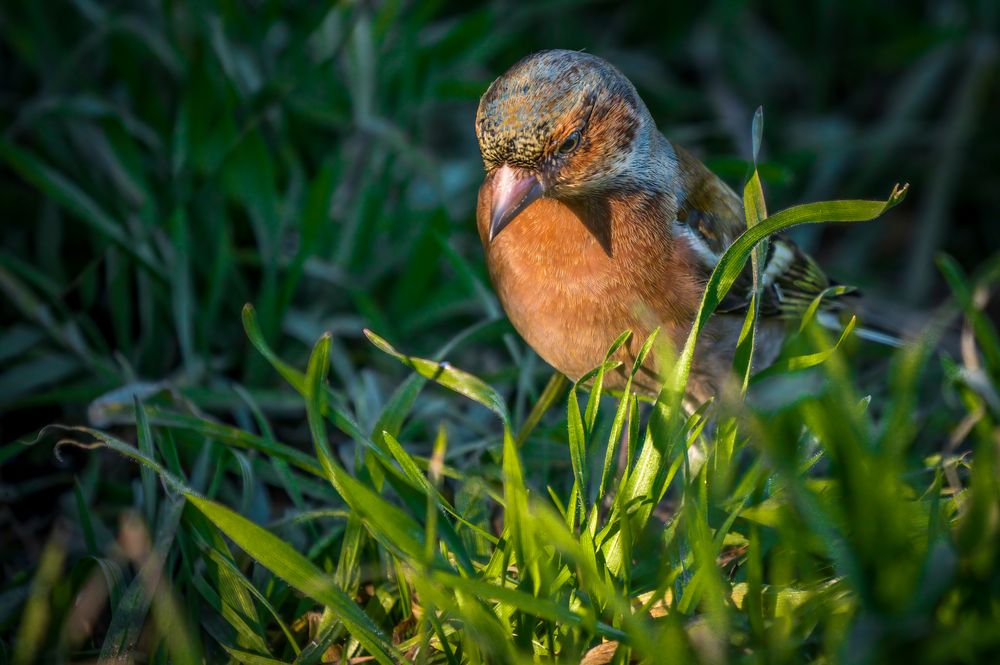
(710,216)
(790,281)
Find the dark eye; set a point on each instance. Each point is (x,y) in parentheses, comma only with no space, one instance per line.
(570,144)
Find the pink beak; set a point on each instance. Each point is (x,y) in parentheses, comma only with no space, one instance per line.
(513,191)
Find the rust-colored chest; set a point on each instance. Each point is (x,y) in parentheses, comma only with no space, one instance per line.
(571,279)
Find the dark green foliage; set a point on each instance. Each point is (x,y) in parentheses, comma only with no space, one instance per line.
(280,499)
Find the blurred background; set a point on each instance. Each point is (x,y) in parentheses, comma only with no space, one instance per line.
(163,163)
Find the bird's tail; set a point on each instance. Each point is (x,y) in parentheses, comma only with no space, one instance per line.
(868,331)
(885,323)
(879,337)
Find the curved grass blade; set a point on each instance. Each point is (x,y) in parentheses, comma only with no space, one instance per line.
(735,258)
(267,549)
(282,560)
(256,337)
(614,439)
(666,420)
(805,361)
(448,376)
(331,407)
(597,388)
(403,398)
(392,527)
(234,436)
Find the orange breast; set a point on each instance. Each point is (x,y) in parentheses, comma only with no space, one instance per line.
(572,279)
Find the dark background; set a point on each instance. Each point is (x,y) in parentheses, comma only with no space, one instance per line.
(164,163)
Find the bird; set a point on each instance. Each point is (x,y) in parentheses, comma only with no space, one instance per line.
(593,223)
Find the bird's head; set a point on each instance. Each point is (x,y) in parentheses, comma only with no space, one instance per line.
(564,125)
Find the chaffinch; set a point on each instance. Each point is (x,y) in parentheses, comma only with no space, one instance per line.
(593,223)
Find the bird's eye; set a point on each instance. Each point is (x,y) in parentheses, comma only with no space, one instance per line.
(570,144)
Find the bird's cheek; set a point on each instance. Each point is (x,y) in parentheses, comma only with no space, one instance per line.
(560,178)
(577,172)
(570,184)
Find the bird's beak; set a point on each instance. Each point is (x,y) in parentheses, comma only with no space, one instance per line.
(513,191)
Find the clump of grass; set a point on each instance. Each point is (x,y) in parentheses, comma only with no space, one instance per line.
(809,533)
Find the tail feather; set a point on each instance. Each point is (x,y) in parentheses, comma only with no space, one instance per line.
(887,323)
(879,337)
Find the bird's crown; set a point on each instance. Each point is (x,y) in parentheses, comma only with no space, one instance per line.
(553,102)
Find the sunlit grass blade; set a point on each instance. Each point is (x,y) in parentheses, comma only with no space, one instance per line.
(805,361)
(273,553)
(448,376)
(622,412)
(577,446)
(35,620)
(666,419)
(393,527)
(299,572)
(234,436)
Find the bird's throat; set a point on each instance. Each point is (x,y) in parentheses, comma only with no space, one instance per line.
(572,277)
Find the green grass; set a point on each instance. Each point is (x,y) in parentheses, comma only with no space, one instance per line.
(286,489)
(804,531)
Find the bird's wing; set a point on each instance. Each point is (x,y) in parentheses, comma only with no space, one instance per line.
(710,217)
(789,279)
